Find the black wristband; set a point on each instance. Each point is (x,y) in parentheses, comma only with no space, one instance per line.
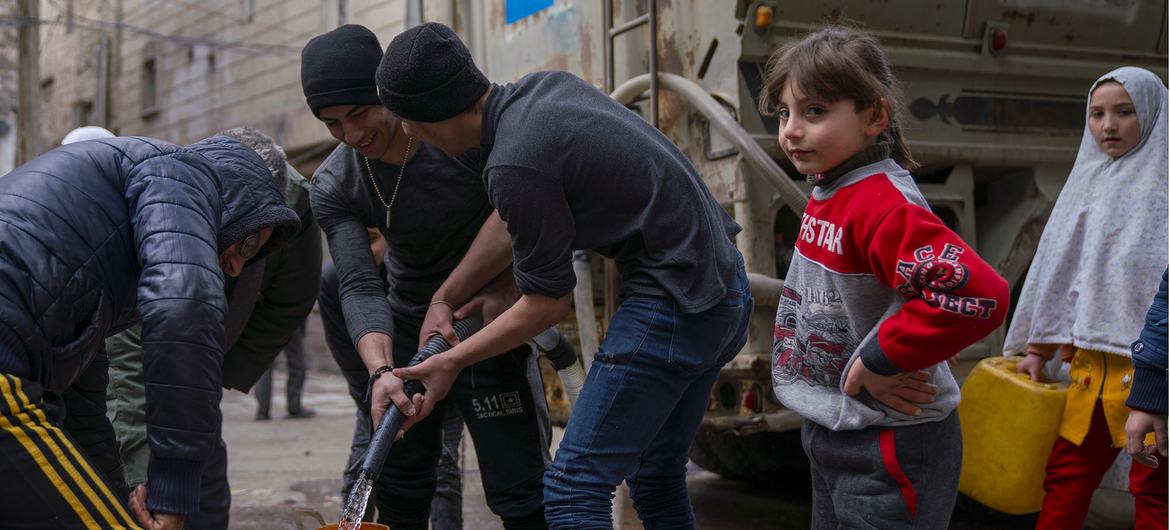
(374,377)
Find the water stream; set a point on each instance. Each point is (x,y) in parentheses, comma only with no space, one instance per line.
(355,505)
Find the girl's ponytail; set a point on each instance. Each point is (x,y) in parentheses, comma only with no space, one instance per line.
(899,151)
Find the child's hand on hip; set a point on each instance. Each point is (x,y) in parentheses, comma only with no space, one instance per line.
(900,392)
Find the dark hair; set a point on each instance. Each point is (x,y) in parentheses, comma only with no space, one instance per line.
(838,63)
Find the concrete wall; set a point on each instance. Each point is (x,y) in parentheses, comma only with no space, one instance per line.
(217,63)
(8,99)
(71,49)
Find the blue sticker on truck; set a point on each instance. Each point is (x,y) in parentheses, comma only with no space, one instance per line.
(517,9)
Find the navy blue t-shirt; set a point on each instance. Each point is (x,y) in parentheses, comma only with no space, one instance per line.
(569,168)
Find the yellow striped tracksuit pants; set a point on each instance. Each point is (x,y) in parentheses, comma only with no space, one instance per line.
(45,481)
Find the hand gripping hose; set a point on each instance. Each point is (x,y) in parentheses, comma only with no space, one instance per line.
(392,421)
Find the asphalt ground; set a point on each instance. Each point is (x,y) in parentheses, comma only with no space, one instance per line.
(284,472)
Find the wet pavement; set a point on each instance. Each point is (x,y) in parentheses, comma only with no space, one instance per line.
(286,472)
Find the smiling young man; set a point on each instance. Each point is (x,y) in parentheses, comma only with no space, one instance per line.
(95,236)
(568,168)
(429,208)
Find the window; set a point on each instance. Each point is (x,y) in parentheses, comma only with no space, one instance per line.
(47,85)
(82,113)
(150,80)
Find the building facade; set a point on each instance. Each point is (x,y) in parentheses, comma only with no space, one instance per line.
(180,70)
(8,94)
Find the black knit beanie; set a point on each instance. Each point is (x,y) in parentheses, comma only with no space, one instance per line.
(337,68)
(427,75)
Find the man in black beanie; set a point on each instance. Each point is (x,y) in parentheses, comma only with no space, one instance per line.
(429,208)
(568,168)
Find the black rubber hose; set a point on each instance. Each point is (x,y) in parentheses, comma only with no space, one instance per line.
(563,355)
(392,421)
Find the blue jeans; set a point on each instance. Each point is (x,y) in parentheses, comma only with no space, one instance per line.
(640,409)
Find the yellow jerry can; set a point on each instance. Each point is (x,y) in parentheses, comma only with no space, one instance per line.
(1009,425)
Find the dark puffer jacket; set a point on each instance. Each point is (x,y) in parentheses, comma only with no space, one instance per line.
(94,236)
(1149,357)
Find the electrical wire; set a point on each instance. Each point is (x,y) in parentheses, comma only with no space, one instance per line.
(106,26)
(243,20)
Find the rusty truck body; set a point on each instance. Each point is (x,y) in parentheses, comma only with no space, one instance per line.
(994,109)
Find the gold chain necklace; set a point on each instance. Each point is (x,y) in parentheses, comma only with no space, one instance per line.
(401,172)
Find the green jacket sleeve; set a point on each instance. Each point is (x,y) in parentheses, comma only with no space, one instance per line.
(292,278)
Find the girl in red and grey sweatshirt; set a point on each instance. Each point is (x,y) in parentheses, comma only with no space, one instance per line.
(879,294)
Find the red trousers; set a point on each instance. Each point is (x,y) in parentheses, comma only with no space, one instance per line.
(1074,472)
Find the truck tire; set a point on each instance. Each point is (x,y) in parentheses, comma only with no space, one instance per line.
(763,457)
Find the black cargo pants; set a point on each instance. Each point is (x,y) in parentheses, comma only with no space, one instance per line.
(501,400)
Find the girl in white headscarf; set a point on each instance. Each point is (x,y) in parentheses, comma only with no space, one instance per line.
(1098,265)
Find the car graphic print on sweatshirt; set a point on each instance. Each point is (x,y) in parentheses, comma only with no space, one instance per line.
(816,354)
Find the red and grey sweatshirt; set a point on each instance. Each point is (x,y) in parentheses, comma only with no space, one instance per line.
(877,277)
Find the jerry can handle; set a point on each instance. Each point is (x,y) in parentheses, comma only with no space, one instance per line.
(1009,364)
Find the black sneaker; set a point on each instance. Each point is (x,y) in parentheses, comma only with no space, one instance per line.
(302,414)
(262,416)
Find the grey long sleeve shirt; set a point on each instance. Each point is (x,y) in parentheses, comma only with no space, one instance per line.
(440,208)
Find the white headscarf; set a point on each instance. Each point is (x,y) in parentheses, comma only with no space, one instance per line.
(1103,251)
(88,132)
